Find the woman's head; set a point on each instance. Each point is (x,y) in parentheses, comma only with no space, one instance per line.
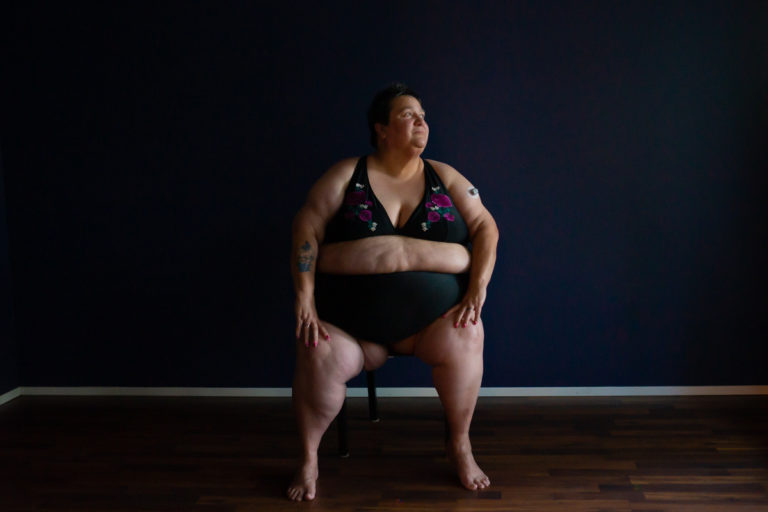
(381,107)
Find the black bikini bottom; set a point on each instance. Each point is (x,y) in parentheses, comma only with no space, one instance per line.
(386,308)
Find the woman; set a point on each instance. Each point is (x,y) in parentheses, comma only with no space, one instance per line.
(406,289)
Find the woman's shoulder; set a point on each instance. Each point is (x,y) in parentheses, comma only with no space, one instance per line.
(342,170)
(327,193)
(345,163)
(448,174)
(454,181)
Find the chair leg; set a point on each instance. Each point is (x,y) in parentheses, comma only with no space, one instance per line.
(341,426)
(373,407)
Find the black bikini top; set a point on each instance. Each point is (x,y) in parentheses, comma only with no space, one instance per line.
(361,215)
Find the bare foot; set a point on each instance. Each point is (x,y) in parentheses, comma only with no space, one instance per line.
(303,485)
(470,474)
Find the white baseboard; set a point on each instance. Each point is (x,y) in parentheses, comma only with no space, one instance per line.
(10,395)
(628,391)
(153,391)
(388,391)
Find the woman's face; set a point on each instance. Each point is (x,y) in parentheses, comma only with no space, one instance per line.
(407,127)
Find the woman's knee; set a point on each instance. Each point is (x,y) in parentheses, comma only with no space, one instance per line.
(443,343)
(467,340)
(340,356)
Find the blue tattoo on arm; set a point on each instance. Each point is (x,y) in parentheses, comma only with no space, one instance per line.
(305,257)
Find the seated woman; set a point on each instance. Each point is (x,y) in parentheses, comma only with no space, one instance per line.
(391,275)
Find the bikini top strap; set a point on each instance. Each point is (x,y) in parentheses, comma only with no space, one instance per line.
(359,175)
(433,178)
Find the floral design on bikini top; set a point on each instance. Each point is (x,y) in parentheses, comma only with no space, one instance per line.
(439,206)
(359,206)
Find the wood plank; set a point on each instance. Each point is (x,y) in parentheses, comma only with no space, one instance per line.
(586,454)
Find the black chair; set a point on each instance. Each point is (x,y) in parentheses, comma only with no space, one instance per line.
(373,414)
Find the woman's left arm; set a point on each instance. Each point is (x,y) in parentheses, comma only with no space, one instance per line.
(484,236)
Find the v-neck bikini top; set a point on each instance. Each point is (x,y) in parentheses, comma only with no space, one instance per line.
(361,215)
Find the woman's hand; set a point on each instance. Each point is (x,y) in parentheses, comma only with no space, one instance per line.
(469,309)
(308,325)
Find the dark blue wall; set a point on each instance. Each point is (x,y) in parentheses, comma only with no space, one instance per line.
(9,356)
(156,156)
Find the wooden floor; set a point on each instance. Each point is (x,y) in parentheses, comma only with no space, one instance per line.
(692,454)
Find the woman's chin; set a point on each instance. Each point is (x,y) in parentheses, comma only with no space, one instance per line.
(419,145)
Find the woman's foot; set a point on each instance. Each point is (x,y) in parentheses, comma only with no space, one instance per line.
(470,474)
(304,482)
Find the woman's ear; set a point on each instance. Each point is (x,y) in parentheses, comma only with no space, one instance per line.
(380,130)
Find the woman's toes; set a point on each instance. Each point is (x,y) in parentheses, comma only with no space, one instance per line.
(304,482)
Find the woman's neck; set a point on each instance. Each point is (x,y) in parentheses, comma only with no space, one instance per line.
(397,164)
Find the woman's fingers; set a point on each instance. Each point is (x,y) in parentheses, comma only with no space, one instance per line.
(461,318)
(314,334)
(458,314)
(471,313)
(324,332)
(310,331)
(476,317)
(454,314)
(463,313)
(306,333)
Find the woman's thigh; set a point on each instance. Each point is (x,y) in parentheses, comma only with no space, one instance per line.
(405,346)
(374,354)
(440,336)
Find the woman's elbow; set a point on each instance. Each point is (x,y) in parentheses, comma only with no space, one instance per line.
(487,232)
(494,231)
(305,227)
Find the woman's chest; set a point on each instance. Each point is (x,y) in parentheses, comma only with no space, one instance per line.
(398,199)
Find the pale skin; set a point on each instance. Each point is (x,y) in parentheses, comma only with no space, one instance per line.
(327,357)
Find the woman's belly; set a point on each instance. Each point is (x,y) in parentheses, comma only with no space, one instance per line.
(386,308)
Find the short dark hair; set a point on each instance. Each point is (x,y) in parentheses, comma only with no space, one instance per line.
(381,106)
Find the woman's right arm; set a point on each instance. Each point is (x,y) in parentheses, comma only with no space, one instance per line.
(325,197)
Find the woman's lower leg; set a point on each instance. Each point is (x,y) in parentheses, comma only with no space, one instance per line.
(458,385)
(318,395)
(319,389)
(456,357)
